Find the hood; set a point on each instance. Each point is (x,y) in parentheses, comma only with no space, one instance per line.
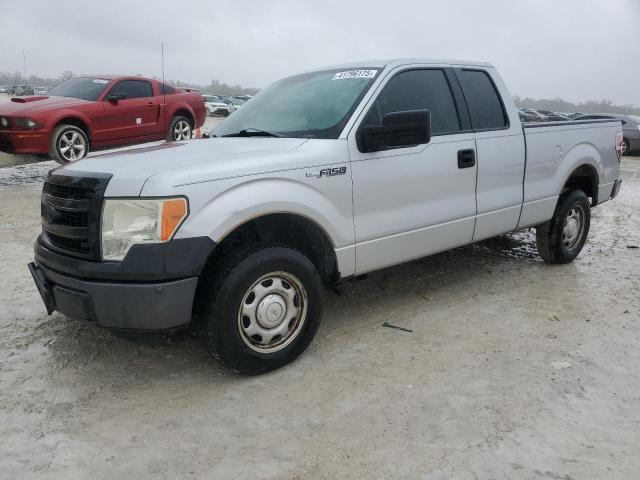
(171,165)
(36,104)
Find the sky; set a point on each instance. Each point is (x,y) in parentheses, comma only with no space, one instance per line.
(573,49)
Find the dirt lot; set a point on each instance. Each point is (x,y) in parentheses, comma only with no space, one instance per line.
(513,370)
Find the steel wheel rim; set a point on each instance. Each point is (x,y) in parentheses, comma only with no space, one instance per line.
(273,312)
(182,130)
(72,146)
(573,227)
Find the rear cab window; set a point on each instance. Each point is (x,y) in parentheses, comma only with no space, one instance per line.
(133,89)
(483,100)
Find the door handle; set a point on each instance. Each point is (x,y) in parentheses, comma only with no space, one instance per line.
(466,158)
(151,104)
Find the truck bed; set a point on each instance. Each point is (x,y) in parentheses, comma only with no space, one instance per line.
(554,150)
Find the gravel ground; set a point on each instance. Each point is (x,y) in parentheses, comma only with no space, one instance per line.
(512,370)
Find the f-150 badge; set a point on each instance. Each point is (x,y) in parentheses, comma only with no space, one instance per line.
(327,172)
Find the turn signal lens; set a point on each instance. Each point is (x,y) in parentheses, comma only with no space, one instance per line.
(173,212)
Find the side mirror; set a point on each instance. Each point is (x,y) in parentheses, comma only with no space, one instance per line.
(115,97)
(398,129)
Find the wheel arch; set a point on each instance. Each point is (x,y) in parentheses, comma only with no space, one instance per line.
(185,111)
(283,228)
(584,177)
(75,120)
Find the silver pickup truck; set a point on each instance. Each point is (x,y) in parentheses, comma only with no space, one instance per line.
(321,177)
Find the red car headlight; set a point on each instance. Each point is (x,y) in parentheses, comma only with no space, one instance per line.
(25,123)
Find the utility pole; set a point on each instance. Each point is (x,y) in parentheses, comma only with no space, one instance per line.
(24,66)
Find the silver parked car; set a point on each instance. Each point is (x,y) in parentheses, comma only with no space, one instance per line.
(630,129)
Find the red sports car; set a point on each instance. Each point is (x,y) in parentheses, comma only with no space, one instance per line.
(90,113)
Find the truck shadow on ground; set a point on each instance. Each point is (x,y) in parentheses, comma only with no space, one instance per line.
(104,359)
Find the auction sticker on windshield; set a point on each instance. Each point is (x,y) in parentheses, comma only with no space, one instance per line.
(354,74)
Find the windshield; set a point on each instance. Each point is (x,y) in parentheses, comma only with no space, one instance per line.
(312,105)
(84,88)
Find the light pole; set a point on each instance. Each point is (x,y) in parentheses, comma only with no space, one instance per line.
(24,66)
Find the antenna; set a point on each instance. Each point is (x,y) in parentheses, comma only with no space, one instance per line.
(24,66)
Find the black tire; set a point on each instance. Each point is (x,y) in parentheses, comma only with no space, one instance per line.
(172,131)
(224,292)
(61,137)
(555,239)
(627,147)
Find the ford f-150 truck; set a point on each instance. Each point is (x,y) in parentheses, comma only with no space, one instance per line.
(321,177)
(91,113)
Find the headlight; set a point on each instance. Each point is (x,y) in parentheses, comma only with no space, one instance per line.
(130,222)
(4,121)
(26,123)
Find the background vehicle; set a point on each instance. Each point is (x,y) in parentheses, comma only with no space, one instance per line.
(550,116)
(87,113)
(3,89)
(630,129)
(237,102)
(321,177)
(40,90)
(530,115)
(20,90)
(216,106)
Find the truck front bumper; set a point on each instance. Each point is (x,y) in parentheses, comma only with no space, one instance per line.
(148,291)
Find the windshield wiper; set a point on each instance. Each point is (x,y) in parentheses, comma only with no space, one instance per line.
(253,132)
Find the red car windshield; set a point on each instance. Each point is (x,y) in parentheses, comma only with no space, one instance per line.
(84,88)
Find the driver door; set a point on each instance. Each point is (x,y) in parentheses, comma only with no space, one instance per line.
(135,115)
(413,201)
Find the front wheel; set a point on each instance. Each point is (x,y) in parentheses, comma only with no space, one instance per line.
(180,129)
(68,144)
(261,308)
(561,239)
(626,147)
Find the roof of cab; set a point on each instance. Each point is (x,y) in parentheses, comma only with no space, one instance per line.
(410,61)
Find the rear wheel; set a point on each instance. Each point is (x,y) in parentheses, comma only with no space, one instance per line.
(561,239)
(180,129)
(68,144)
(626,147)
(261,308)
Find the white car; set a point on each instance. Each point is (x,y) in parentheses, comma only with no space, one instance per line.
(322,177)
(216,106)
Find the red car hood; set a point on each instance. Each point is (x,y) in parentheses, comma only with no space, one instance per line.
(36,104)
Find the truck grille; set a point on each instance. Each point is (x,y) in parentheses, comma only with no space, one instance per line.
(70,210)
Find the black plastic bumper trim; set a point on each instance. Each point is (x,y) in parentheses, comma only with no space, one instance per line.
(124,306)
(177,259)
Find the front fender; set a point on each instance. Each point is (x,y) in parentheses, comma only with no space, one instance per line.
(239,203)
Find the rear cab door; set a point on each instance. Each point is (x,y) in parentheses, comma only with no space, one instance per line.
(500,150)
(136,115)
